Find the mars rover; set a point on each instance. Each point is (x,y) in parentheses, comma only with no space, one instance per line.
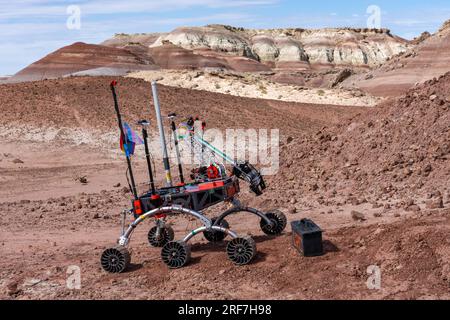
(211,184)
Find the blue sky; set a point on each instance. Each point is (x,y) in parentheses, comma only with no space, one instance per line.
(30,29)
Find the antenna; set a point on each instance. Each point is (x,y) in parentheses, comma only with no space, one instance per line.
(145,124)
(172,116)
(119,120)
(161,135)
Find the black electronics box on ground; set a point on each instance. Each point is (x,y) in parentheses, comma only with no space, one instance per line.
(307,237)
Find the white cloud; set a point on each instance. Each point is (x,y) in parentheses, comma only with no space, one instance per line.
(37,8)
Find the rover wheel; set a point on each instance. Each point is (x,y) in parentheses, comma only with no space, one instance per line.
(214,235)
(241,250)
(166,234)
(115,260)
(279,222)
(176,254)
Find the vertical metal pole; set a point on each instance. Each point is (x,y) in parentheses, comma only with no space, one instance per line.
(203,135)
(191,124)
(147,156)
(161,135)
(119,120)
(177,150)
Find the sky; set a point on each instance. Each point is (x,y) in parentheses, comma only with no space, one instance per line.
(30,29)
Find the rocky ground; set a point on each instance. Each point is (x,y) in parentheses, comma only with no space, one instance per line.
(428,58)
(398,149)
(375,179)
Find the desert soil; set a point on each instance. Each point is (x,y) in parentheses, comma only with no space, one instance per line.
(57,132)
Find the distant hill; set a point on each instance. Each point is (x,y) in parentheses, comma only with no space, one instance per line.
(81,56)
(223,47)
(429,59)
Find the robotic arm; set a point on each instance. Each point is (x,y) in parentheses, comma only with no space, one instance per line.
(242,170)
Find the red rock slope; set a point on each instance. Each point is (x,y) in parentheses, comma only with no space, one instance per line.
(430,59)
(78,57)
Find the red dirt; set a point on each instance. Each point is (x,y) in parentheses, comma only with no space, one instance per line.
(169,56)
(412,254)
(399,149)
(332,162)
(235,63)
(61,100)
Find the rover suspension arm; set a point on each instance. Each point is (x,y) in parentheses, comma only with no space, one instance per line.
(242,170)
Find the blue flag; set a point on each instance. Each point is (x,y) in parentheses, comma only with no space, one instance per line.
(129,142)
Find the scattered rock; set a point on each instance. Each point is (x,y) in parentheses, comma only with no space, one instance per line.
(357,216)
(12,288)
(427,169)
(414,208)
(377,205)
(83,180)
(341,76)
(17,161)
(436,203)
(435,194)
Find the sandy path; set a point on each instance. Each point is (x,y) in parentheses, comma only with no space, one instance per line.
(254,86)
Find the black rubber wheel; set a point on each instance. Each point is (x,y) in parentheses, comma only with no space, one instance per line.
(214,235)
(241,250)
(176,254)
(279,222)
(115,260)
(166,234)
